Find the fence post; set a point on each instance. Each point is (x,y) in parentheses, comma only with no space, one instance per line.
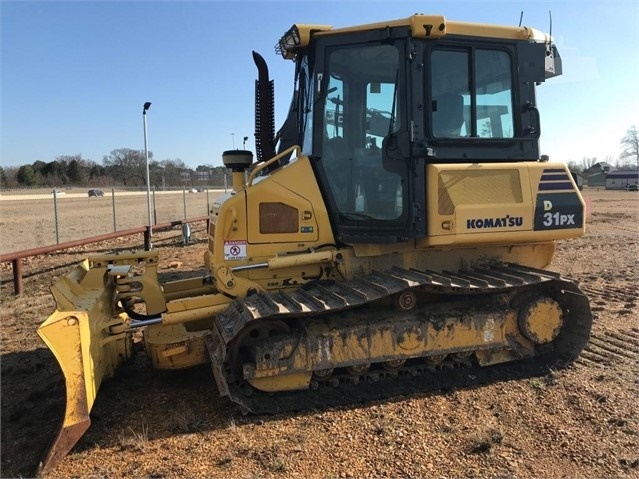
(113,202)
(55,215)
(184,200)
(17,276)
(155,211)
(147,238)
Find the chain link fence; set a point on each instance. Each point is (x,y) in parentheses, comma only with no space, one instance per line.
(35,218)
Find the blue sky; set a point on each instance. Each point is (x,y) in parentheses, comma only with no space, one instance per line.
(75,74)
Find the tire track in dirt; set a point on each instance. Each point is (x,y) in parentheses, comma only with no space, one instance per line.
(622,300)
(611,347)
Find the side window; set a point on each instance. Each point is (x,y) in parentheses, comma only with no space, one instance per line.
(494,94)
(463,108)
(380,100)
(450,80)
(361,108)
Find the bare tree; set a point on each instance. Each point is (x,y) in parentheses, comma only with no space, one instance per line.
(588,162)
(630,143)
(173,169)
(9,176)
(575,166)
(127,166)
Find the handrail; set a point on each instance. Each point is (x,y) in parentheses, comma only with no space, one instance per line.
(277,157)
(16,256)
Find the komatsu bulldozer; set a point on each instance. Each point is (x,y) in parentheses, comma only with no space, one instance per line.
(397,224)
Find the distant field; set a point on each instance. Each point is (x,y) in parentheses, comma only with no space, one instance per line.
(27,218)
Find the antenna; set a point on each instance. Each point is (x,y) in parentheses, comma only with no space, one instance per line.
(553,60)
(521,17)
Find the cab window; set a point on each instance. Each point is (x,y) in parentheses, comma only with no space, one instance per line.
(360,110)
(477,103)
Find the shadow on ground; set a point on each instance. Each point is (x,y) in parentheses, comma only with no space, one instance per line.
(169,403)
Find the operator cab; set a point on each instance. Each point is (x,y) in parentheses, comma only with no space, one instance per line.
(374,105)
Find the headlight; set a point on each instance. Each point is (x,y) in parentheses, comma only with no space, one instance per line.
(298,36)
(288,43)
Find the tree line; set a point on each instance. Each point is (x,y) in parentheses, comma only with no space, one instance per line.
(127,167)
(123,167)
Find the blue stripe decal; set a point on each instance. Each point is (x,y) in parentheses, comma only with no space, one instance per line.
(555,186)
(554,170)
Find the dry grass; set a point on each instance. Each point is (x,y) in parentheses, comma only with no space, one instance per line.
(137,441)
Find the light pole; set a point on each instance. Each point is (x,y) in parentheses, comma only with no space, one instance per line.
(147,245)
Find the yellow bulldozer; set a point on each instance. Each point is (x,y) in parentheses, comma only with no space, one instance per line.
(398,224)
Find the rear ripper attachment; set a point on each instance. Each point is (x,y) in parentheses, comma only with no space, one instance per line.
(393,323)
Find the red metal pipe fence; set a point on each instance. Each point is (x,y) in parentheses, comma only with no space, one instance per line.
(16,257)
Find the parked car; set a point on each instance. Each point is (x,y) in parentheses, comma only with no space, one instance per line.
(93,193)
(57,192)
(634,187)
(192,190)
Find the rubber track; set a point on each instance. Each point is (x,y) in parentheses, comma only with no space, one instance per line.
(320,298)
(335,297)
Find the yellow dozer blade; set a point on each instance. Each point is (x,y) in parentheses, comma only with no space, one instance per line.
(89,340)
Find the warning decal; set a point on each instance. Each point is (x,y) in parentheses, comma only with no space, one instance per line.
(234,250)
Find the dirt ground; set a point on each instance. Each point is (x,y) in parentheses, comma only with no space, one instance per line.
(582,421)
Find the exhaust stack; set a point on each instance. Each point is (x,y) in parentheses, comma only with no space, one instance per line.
(264,111)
